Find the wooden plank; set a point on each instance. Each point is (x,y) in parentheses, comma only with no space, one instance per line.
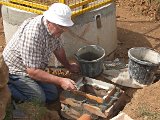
(70,101)
(94,110)
(83,106)
(91,97)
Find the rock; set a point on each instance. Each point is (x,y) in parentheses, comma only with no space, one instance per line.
(3,72)
(5,97)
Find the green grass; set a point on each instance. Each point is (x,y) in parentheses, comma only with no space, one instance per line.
(8,113)
(34,110)
(147,114)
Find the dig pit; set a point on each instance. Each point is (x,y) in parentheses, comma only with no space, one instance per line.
(93,97)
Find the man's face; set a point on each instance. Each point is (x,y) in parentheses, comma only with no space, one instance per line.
(55,30)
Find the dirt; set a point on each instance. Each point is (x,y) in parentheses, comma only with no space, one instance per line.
(138,30)
(135,29)
(145,104)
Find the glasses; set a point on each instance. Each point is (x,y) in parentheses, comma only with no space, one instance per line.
(63,28)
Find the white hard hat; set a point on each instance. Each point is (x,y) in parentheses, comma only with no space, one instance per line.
(60,14)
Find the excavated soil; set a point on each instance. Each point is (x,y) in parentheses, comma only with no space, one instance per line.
(145,104)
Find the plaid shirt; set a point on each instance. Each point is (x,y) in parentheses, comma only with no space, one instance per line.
(31,46)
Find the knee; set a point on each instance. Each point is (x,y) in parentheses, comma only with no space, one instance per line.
(39,97)
(51,97)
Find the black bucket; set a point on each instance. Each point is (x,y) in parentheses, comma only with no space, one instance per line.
(143,63)
(90,59)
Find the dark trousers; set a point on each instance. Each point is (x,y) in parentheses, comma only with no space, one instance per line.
(24,88)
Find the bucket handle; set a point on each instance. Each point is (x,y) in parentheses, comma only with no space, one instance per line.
(77,56)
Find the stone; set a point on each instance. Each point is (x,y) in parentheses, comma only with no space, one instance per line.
(3,72)
(5,97)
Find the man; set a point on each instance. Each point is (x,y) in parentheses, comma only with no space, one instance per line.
(28,52)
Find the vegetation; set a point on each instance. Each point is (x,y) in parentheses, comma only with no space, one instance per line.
(32,110)
(146,113)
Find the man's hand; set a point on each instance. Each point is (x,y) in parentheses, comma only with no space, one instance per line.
(68,84)
(74,68)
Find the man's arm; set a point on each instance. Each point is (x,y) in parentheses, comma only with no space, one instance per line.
(43,76)
(61,56)
(40,75)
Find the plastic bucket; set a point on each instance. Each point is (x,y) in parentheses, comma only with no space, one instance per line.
(143,63)
(90,59)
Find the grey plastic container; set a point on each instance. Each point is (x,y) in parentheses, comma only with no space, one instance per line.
(91,59)
(143,63)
